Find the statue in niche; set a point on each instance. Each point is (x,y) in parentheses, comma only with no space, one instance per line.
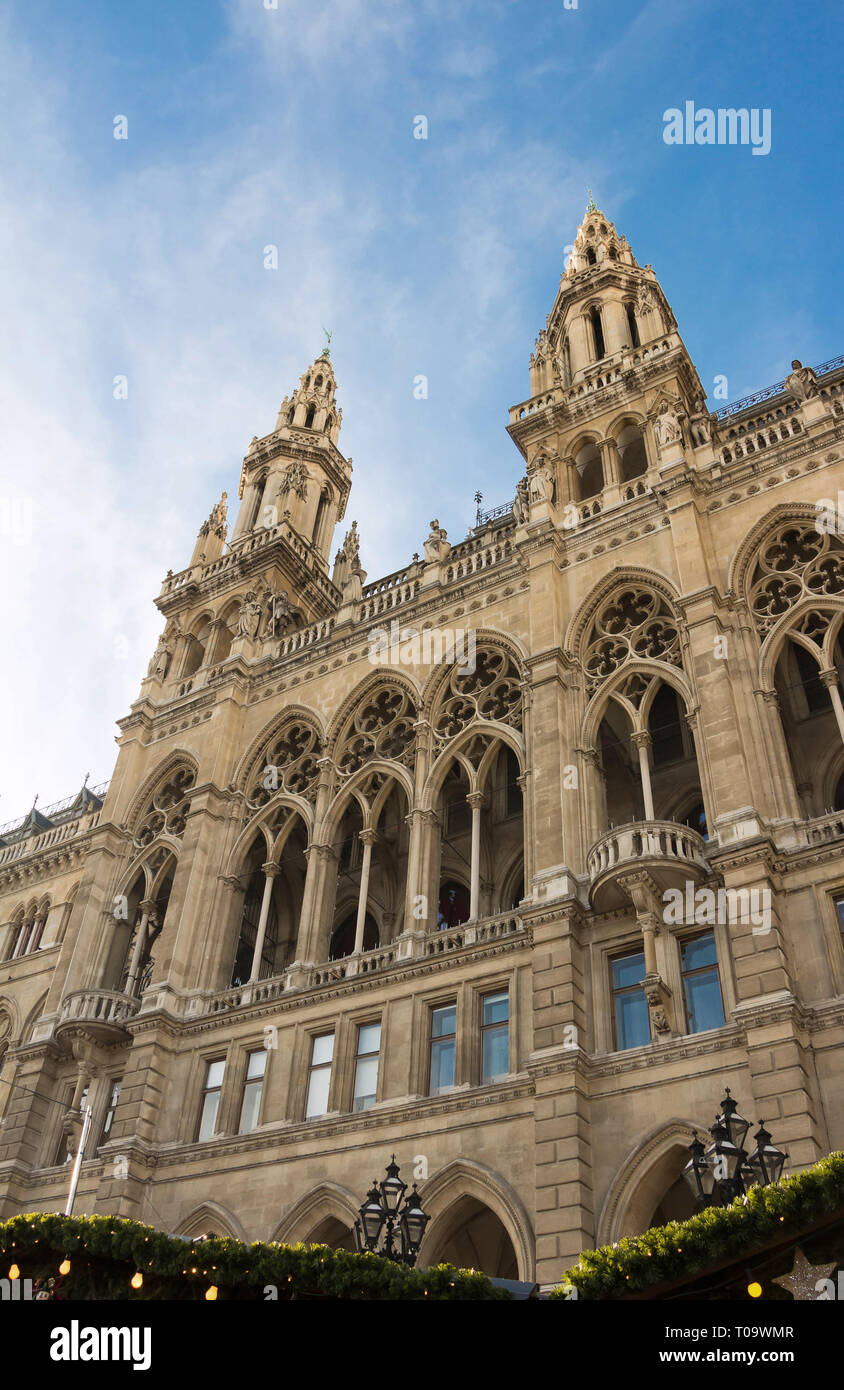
(521,503)
(700,424)
(294,479)
(667,426)
(163,654)
(282,614)
(802,382)
(249,617)
(541,481)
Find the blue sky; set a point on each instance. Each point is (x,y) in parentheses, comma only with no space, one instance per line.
(294,127)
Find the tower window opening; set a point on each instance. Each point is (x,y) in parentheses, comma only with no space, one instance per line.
(635,340)
(597,333)
(309,418)
(591,258)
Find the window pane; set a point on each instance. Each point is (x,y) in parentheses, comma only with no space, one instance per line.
(631,1020)
(369,1037)
(699,952)
(839,907)
(251,1106)
(215,1073)
(366,1082)
(207,1124)
(323,1049)
(628,970)
(496,1008)
(443,1020)
(496,1053)
(703,1001)
(318,1093)
(257,1064)
(442,1065)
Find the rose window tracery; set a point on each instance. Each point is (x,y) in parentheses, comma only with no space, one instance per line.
(290,763)
(796,562)
(382,726)
(634,624)
(491,691)
(167,808)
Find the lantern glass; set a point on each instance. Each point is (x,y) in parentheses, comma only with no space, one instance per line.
(392,1188)
(734,1123)
(415,1219)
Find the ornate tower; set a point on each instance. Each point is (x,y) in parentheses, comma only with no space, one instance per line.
(296,479)
(612,385)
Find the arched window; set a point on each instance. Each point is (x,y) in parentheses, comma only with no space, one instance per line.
(343,937)
(631,453)
(666,727)
(633,326)
(309,418)
(597,333)
(454,905)
(591,258)
(322,509)
(590,471)
(696,820)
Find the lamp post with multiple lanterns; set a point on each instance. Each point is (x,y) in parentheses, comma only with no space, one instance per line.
(385,1210)
(723,1170)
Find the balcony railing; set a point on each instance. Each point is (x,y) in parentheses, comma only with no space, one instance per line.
(101,1012)
(402,952)
(671,853)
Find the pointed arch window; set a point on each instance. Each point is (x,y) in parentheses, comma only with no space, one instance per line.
(635,340)
(309,418)
(597,333)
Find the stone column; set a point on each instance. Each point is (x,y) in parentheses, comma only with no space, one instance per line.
(270,870)
(146,908)
(367,839)
(830,680)
(641,740)
(476,801)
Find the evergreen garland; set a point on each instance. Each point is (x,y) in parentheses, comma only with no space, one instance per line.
(683,1248)
(106,1251)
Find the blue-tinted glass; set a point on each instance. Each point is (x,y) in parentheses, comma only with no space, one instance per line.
(703,1001)
(699,952)
(442,1064)
(496,1053)
(443,1020)
(496,1008)
(628,970)
(632,1028)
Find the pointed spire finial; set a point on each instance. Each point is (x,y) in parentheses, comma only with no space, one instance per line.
(591,205)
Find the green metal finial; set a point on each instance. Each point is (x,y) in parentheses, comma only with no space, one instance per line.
(326,351)
(591,206)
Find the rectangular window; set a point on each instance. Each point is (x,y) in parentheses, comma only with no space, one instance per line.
(839,908)
(443,1039)
(63,1154)
(319,1076)
(109,1115)
(366,1065)
(211,1099)
(701,985)
(253,1086)
(630,1007)
(495,1036)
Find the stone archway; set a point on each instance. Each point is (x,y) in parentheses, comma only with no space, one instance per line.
(647,1182)
(476,1216)
(324,1216)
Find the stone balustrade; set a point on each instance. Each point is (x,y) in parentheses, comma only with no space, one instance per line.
(99,1012)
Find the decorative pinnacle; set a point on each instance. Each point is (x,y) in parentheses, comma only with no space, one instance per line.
(326,351)
(591,205)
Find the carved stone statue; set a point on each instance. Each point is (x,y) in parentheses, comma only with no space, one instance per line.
(521,503)
(667,426)
(294,479)
(163,654)
(541,481)
(249,618)
(802,382)
(436,545)
(700,423)
(282,614)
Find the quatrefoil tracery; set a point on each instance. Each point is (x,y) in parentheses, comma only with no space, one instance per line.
(796,562)
(634,624)
(491,691)
(167,808)
(289,763)
(382,727)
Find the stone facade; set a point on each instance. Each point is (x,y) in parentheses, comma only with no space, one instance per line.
(448,803)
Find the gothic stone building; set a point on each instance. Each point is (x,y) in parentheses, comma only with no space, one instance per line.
(514,897)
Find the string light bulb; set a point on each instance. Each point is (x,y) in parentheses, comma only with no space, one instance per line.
(14,1272)
(64,1267)
(211,1293)
(755,1290)
(137,1280)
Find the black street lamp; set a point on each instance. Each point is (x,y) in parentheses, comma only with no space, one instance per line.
(383,1209)
(723,1171)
